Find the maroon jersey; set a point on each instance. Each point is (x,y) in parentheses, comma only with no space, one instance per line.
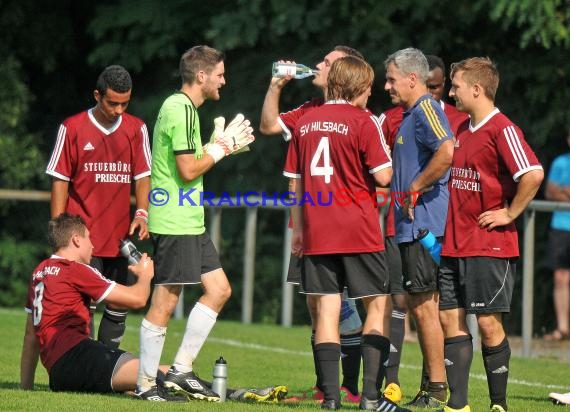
(288,120)
(487,163)
(390,122)
(58,299)
(455,117)
(100,165)
(335,150)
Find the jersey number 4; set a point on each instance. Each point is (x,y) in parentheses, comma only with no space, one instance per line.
(323,152)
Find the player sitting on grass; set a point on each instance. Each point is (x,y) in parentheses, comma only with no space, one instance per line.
(57,327)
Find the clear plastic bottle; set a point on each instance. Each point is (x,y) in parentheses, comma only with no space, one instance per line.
(220,378)
(130,251)
(298,71)
(430,242)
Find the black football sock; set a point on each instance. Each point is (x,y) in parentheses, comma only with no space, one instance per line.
(375,351)
(496,360)
(328,355)
(458,356)
(397,330)
(424,383)
(317,371)
(350,356)
(438,390)
(112,327)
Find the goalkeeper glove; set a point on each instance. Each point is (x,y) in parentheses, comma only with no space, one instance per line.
(234,139)
(218,132)
(217,147)
(238,134)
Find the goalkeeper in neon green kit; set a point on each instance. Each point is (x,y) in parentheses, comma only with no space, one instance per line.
(183,252)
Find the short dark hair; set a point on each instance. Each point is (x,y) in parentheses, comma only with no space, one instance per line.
(198,58)
(349,51)
(62,227)
(116,78)
(435,62)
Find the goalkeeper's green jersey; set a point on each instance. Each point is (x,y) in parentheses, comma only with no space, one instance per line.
(175,206)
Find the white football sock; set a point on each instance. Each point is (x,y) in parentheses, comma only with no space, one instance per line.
(152,339)
(200,322)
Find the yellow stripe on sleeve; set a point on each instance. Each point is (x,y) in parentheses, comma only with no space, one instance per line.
(433,119)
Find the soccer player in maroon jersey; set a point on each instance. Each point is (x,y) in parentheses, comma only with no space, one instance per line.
(98,155)
(57,327)
(494,175)
(273,122)
(338,148)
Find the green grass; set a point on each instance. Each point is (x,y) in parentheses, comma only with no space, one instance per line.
(258,355)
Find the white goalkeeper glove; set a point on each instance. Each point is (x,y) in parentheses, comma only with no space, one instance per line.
(234,139)
(217,147)
(218,132)
(238,134)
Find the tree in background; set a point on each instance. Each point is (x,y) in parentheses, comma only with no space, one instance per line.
(60,53)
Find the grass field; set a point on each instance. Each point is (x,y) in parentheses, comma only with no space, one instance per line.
(258,356)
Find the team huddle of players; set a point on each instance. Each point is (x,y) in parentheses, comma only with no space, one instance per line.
(465,173)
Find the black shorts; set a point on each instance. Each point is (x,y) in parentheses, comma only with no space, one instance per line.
(363,274)
(559,249)
(479,284)
(183,259)
(394,266)
(294,271)
(419,270)
(87,367)
(114,268)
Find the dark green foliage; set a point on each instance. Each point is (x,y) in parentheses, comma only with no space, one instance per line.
(53,51)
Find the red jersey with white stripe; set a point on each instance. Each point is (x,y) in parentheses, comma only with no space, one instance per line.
(100,165)
(488,161)
(288,120)
(59,294)
(390,122)
(335,150)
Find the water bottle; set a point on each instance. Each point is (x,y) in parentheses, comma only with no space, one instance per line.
(298,71)
(220,378)
(429,241)
(130,251)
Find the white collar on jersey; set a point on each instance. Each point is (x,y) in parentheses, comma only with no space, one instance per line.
(484,121)
(99,126)
(338,101)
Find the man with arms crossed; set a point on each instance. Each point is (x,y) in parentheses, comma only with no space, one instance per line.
(390,121)
(421,158)
(494,176)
